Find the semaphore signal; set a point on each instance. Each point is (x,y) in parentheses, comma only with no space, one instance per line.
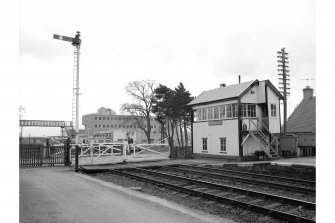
(76,41)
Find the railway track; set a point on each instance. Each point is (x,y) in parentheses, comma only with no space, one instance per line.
(278,206)
(281,183)
(247,173)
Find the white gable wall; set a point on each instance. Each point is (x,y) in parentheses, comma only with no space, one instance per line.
(257,97)
(274,122)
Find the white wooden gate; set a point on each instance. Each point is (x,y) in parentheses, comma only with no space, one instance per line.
(105,153)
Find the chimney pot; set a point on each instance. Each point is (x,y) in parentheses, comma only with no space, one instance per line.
(222,85)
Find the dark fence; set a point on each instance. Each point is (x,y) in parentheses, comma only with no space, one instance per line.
(39,155)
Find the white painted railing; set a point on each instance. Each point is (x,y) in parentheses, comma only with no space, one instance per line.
(121,150)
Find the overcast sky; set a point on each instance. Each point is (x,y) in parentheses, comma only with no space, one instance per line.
(199,43)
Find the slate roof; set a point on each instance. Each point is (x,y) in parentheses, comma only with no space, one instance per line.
(303,118)
(220,93)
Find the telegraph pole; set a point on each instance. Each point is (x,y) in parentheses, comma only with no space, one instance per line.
(284,81)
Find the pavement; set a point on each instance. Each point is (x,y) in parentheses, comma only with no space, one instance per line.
(58,194)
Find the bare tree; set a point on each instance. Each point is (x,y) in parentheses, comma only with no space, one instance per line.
(21,111)
(143,94)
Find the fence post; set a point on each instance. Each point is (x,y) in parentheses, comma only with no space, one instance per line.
(92,153)
(124,152)
(76,158)
(41,155)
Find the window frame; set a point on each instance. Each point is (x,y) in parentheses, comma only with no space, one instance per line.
(204,144)
(223,144)
(244,110)
(210,114)
(229,111)
(222,112)
(273,108)
(234,110)
(204,114)
(251,110)
(216,111)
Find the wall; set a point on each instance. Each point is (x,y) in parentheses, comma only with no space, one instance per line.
(119,123)
(250,146)
(228,129)
(274,122)
(257,97)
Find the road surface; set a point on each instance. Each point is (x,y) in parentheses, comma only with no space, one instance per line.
(58,194)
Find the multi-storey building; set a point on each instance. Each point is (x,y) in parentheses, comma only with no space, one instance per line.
(107,126)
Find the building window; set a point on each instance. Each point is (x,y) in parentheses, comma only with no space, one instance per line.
(124,126)
(252,111)
(223,145)
(112,126)
(204,144)
(273,110)
(119,126)
(222,112)
(111,118)
(107,118)
(204,114)
(99,118)
(99,126)
(235,110)
(107,126)
(96,118)
(229,111)
(103,118)
(96,126)
(244,110)
(196,115)
(216,112)
(210,113)
(103,126)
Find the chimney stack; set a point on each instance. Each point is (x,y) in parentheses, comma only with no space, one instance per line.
(308,92)
(239,79)
(222,85)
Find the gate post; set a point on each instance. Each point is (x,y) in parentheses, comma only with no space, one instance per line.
(66,155)
(124,148)
(76,169)
(67,151)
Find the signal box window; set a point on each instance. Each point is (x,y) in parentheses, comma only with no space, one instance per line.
(223,145)
(204,144)
(273,110)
